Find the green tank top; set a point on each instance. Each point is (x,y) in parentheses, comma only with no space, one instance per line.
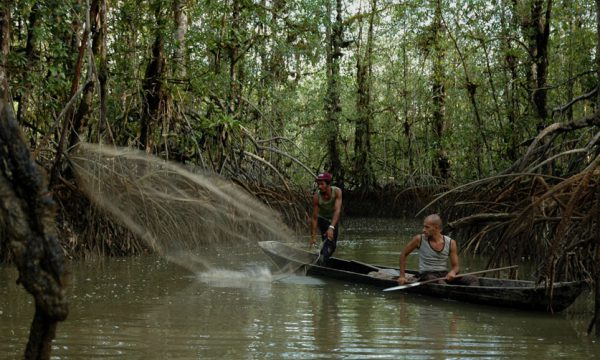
(327,208)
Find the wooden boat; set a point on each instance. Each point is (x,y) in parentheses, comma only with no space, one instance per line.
(518,294)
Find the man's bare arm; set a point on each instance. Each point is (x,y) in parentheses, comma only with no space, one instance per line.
(454,263)
(410,247)
(313,221)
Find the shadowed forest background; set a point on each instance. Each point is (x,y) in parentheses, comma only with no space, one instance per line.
(488,109)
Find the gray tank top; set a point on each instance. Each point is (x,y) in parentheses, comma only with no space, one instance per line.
(433,260)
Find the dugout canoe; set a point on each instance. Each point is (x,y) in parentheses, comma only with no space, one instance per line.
(517,294)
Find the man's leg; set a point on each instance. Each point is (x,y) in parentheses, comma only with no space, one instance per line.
(433,275)
(327,251)
(328,246)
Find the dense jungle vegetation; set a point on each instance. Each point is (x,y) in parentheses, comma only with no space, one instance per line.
(493,106)
(380,92)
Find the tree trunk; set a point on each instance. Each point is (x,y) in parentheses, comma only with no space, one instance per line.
(5,35)
(362,132)
(471,88)
(596,317)
(596,320)
(68,118)
(574,26)
(41,334)
(85,104)
(536,29)
(233,54)
(4,48)
(597,50)
(407,124)
(511,85)
(27,213)
(180,21)
(597,277)
(277,79)
(31,55)
(153,92)
(333,107)
(442,163)
(100,45)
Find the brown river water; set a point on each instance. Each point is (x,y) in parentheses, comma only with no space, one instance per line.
(148,308)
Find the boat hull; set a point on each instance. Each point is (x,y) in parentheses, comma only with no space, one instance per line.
(517,294)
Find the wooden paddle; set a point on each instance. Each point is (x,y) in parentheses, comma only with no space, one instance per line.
(409,285)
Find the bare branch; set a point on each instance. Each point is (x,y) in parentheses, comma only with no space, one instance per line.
(566,106)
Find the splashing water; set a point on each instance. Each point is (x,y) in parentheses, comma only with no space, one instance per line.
(186,217)
(242,278)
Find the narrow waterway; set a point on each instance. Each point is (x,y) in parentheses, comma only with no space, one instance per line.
(148,308)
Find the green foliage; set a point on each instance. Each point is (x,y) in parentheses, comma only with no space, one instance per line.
(260,66)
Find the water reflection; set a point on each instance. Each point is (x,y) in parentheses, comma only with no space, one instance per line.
(148,308)
(326,321)
(451,329)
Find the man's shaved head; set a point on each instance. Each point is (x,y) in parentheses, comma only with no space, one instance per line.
(434,219)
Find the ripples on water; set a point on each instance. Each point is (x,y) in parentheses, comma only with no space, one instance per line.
(147,308)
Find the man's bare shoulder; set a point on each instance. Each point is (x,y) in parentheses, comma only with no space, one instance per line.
(415,241)
(316,198)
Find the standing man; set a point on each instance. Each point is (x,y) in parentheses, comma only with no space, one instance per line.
(327,206)
(434,251)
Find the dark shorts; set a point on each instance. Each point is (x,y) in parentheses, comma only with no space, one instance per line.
(328,246)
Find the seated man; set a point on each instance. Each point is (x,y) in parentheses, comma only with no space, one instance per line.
(434,251)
